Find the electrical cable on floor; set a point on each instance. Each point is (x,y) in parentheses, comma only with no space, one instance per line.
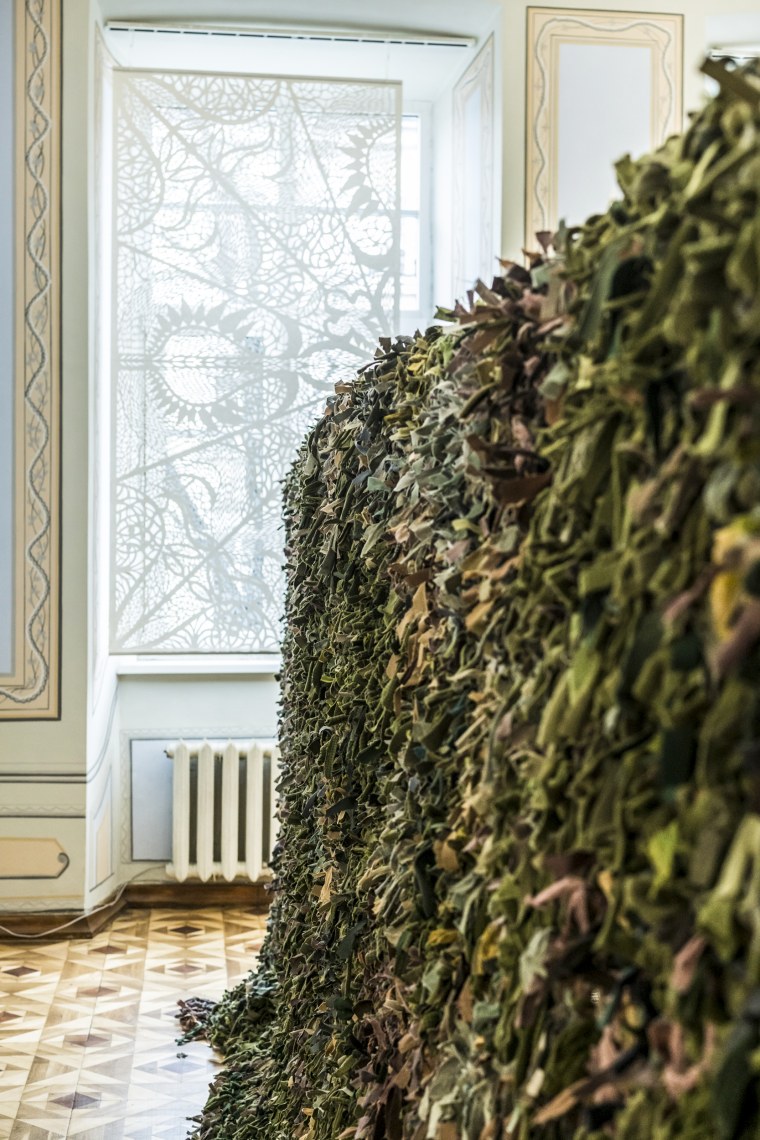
(79,917)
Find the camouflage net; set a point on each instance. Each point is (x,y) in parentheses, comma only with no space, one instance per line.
(519,876)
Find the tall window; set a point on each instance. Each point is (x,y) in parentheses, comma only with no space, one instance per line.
(256,259)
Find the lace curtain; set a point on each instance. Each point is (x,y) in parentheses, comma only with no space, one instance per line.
(255,260)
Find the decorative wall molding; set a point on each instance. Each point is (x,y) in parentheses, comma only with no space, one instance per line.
(40,811)
(100,392)
(39,919)
(32,776)
(32,858)
(32,690)
(477,81)
(548,29)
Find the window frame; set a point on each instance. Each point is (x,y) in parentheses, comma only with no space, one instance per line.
(419,318)
(435,204)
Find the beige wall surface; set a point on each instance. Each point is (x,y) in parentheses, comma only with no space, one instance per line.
(43,763)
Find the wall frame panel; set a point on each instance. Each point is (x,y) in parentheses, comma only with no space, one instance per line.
(30,689)
(603,52)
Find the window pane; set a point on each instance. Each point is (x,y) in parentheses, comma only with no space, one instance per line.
(255,262)
(411,175)
(411,162)
(410,263)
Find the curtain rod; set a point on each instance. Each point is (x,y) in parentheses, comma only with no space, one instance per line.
(316,33)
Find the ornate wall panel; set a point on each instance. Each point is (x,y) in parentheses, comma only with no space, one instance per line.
(29,683)
(598,84)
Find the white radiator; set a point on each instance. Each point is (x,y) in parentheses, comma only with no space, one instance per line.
(224,808)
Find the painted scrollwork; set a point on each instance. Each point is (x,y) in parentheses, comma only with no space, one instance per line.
(31,689)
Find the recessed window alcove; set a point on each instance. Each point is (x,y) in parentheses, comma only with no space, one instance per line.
(270,198)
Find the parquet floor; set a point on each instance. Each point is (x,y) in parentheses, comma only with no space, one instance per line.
(88,1029)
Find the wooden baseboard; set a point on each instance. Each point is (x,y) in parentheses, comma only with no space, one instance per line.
(194,895)
(59,925)
(56,925)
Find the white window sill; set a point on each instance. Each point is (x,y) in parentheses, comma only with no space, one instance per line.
(200,664)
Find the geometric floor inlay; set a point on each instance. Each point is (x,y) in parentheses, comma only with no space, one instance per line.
(88,1028)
